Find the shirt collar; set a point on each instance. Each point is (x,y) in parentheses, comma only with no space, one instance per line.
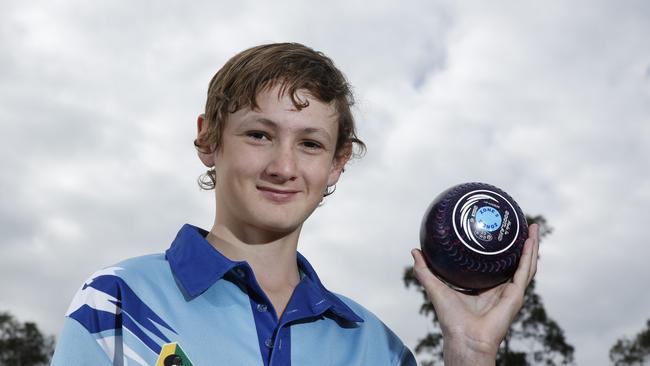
(316,289)
(197,265)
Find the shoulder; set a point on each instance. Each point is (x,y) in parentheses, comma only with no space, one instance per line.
(131,269)
(124,296)
(141,265)
(370,320)
(109,287)
(360,310)
(379,334)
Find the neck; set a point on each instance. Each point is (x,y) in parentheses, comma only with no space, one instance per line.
(271,256)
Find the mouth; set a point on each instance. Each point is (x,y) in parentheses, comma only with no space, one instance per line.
(277,195)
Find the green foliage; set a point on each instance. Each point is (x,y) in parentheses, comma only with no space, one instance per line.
(635,351)
(533,339)
(22,344)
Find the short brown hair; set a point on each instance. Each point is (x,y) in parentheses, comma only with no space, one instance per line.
(293,67)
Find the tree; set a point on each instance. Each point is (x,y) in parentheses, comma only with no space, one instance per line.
(627,352)
(534,338)
(22,344)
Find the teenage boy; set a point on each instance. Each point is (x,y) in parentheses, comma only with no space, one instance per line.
(276,134)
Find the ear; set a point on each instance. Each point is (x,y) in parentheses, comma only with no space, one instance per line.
(202,149)
(338,164)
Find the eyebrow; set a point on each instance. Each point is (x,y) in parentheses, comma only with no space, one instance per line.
(271,124)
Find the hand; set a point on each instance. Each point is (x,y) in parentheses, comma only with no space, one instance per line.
(473,326)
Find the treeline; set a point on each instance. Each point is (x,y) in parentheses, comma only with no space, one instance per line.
(23,344)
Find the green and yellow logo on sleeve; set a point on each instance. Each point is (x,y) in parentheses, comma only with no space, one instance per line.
(172,355)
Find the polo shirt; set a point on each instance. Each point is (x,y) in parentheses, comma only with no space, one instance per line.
(193,306)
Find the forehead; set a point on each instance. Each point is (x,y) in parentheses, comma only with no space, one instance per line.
(280,108)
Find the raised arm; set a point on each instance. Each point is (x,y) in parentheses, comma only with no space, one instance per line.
(473,326)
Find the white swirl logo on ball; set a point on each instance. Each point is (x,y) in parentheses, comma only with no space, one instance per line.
(480,221)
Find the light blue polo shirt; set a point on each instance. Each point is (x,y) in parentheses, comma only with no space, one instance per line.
(210,310)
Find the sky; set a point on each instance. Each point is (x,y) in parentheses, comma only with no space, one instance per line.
(549,101)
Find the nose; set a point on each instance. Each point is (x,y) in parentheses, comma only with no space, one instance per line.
(282,166)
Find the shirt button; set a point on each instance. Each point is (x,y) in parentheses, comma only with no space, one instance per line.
(268,343)
(261,308)
(240,272)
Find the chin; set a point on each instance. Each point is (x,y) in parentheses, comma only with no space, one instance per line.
(283,218)
(280,228)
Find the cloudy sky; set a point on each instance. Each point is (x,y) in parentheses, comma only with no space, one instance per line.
(548,100)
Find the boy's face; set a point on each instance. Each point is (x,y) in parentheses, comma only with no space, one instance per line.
(274,164)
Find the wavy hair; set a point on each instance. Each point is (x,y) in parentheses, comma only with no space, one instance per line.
(293,67)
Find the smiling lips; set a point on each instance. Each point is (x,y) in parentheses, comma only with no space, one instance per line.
(277,195)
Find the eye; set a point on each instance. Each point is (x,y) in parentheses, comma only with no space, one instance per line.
(312,145)
(257,135)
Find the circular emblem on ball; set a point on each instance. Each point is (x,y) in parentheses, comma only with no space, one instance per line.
(472,236)
(484,222)
(488,219)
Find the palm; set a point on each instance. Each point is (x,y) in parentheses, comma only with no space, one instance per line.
(476,316)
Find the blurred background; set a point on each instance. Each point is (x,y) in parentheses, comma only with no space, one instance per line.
(550,101)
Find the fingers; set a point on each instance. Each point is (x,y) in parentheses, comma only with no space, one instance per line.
(427,279)
(534,234)
(523,273)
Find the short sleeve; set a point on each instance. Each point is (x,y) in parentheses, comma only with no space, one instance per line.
(77,347)
(406,358)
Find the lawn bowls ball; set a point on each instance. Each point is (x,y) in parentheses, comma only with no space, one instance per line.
(472,236)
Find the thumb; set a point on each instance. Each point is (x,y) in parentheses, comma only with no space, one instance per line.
(428,280)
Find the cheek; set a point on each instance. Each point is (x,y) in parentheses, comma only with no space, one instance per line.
(318,173)
(240,162)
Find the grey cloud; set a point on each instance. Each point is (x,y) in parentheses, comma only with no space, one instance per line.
(98,103)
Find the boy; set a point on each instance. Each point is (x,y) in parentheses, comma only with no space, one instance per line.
(276,134)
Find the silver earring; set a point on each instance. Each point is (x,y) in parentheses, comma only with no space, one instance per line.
(330,189)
